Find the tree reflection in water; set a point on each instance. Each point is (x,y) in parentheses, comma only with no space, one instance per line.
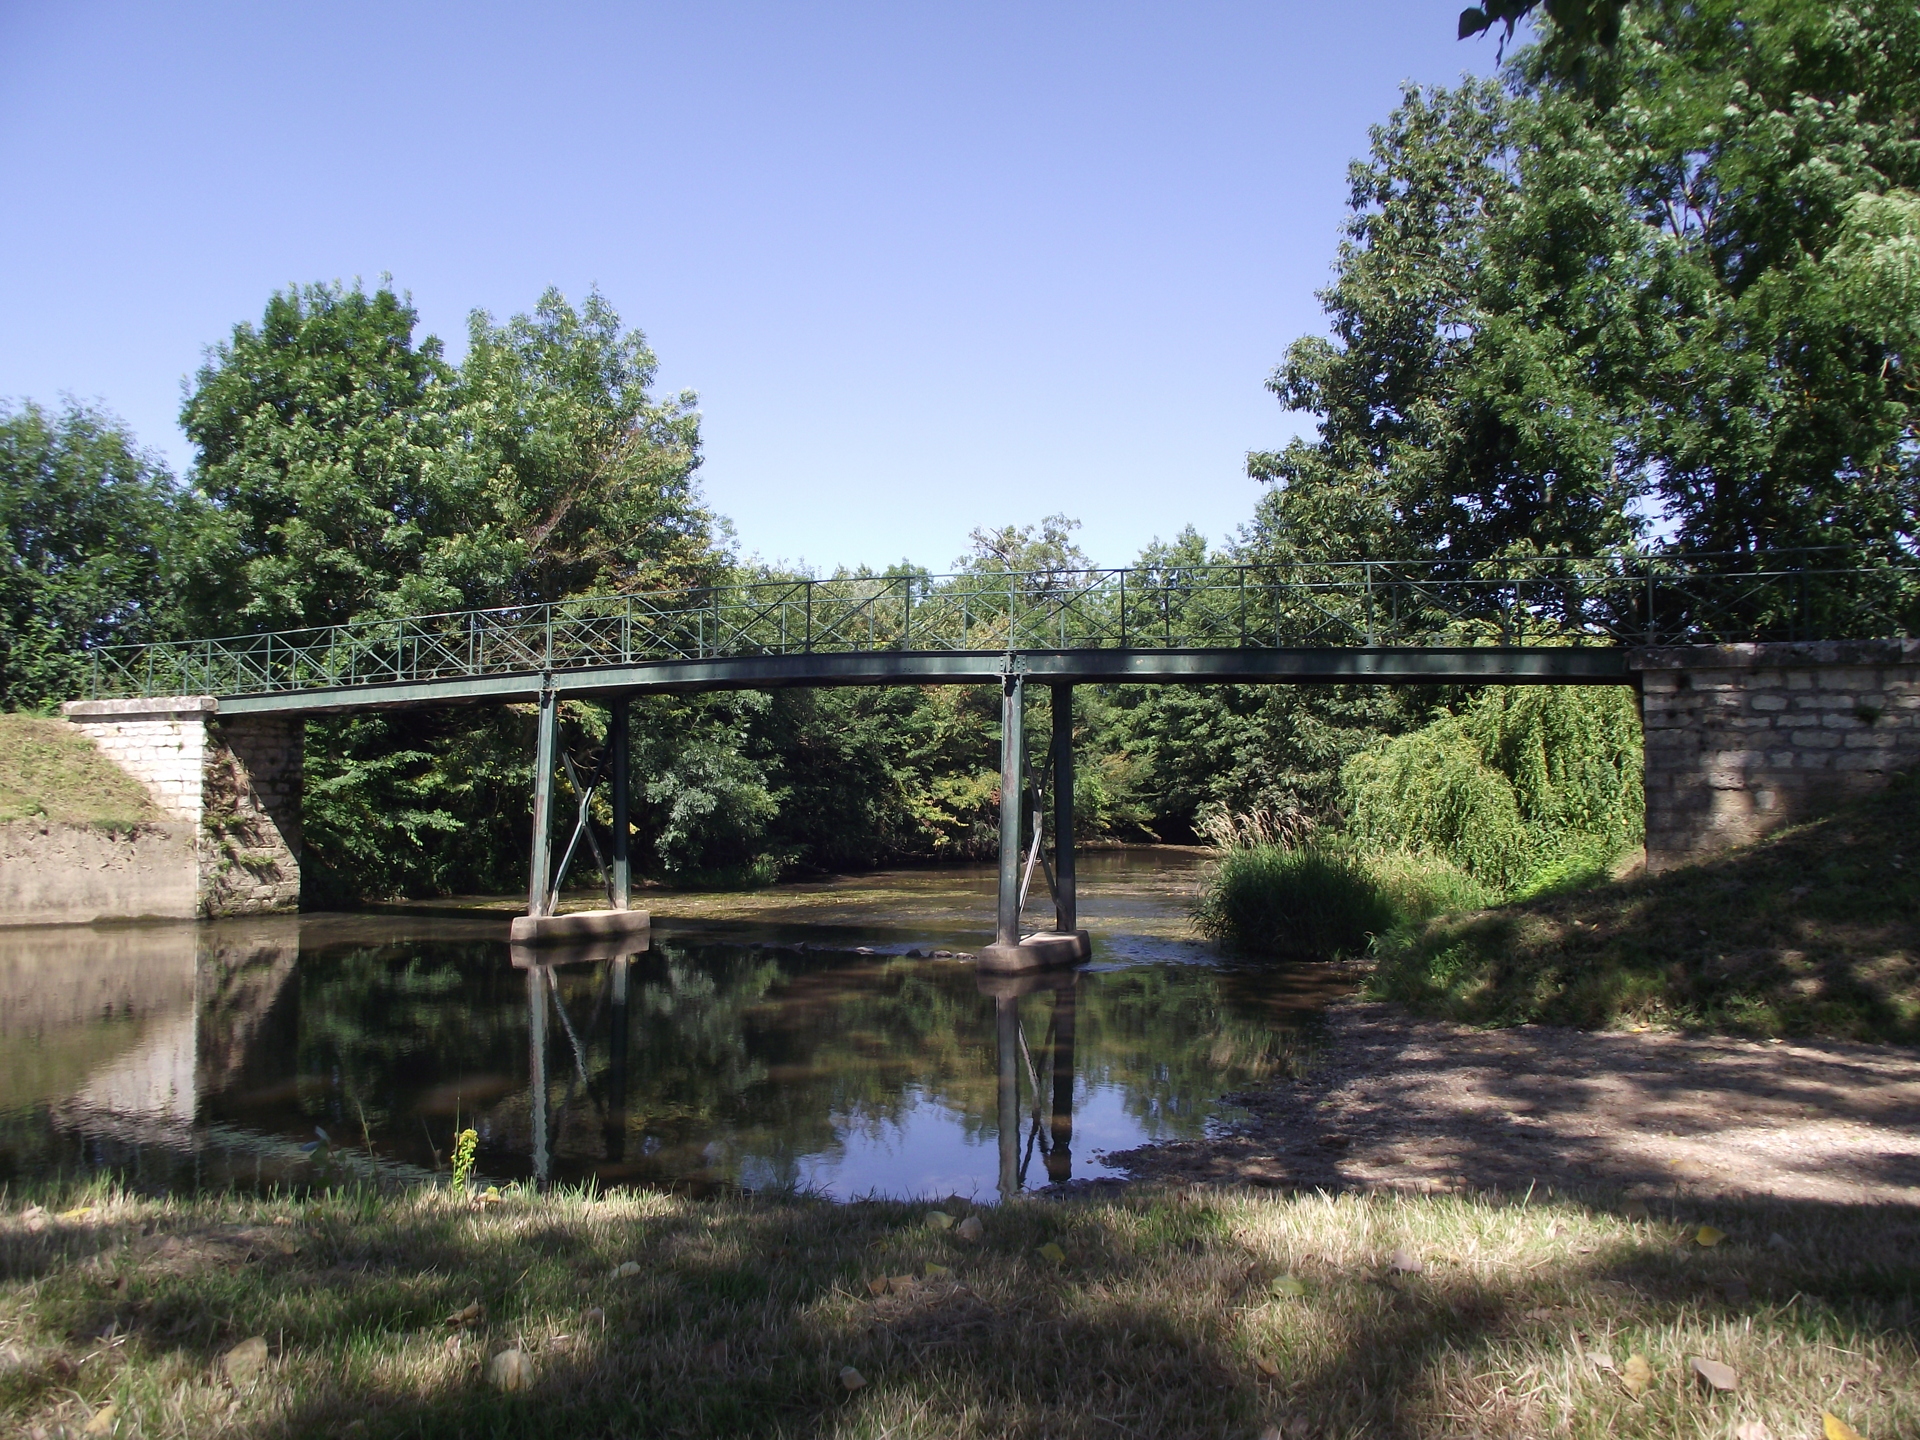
(698,1063)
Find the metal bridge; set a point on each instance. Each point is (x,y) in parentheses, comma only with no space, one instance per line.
(1519,621)
(1509,621)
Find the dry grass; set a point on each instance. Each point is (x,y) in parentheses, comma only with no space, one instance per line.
(1168,1314)
(52,773)
(1815,931)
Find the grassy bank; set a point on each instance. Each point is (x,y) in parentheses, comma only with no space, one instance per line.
(1813,931)
(50,772)
(1160,1315)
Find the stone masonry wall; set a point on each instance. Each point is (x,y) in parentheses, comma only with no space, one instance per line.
(237,780)
(1744,739)
(161,743)
(250,816)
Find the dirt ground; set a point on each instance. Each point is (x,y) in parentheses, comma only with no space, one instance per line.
(1402,1103)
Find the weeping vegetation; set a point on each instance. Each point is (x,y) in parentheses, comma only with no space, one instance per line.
(1522,791)
(1526,789)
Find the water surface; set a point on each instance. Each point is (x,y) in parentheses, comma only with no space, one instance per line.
(801,1037)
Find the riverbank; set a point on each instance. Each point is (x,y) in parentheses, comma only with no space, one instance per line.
(1156,1312)
(1813,931)
(1395,1102)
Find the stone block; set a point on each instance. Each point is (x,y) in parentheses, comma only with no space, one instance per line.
(1873,739)
(1859,760)
(1848,678)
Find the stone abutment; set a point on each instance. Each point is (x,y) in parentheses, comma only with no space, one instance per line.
(1744,739)
(235,780)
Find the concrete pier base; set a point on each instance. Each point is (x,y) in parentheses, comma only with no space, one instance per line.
(581,926)
(1036,952)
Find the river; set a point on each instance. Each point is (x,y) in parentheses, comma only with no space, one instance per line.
(803,1037)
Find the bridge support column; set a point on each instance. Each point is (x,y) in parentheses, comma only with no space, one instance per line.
(1013,695)
(546,748)
(540,926)
(1065,899)
(620,746)
(1009,954)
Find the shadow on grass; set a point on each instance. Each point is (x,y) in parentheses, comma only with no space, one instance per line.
(1164,1317)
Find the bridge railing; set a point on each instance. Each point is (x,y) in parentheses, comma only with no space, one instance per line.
(1627,600)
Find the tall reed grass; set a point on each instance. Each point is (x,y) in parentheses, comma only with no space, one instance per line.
(1325,898)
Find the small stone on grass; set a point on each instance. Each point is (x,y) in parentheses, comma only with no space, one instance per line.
(511,1370)
(244,1362)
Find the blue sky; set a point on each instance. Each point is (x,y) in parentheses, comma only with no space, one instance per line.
(927,266)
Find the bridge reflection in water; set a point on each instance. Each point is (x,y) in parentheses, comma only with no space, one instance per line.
(1051,1130)
(1048,1130)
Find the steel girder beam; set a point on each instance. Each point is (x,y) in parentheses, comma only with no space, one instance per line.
(1465,665)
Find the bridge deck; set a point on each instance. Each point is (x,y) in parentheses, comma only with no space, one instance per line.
(1465,665)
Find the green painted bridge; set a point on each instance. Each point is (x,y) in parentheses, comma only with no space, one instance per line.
(1519,621)
(1548,620)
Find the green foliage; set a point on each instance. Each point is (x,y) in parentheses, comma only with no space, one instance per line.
(1764,148)
(1420,887)
(1578,22)
(1326,897)
(1316,900)
(322,443)
(1527,786)
(574,477)
(356,473)
(94,530)
(1458,415)
(465,1146)
(1672,284)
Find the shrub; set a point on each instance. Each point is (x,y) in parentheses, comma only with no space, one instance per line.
(1311,900)
(1419,887)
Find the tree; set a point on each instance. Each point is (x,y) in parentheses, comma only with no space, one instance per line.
(1669,289)
(578,478)
(323,445)
(1047,549)
(1767,150)
(1580,23)
(94,531)
(355,474)
(1456,412)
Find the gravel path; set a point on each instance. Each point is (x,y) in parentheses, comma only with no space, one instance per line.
(1403,1103)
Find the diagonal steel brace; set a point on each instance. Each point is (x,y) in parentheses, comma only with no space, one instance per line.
(582,826)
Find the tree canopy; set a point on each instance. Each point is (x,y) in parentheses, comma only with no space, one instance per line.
(1673,299)
(95,533)
(355,472)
